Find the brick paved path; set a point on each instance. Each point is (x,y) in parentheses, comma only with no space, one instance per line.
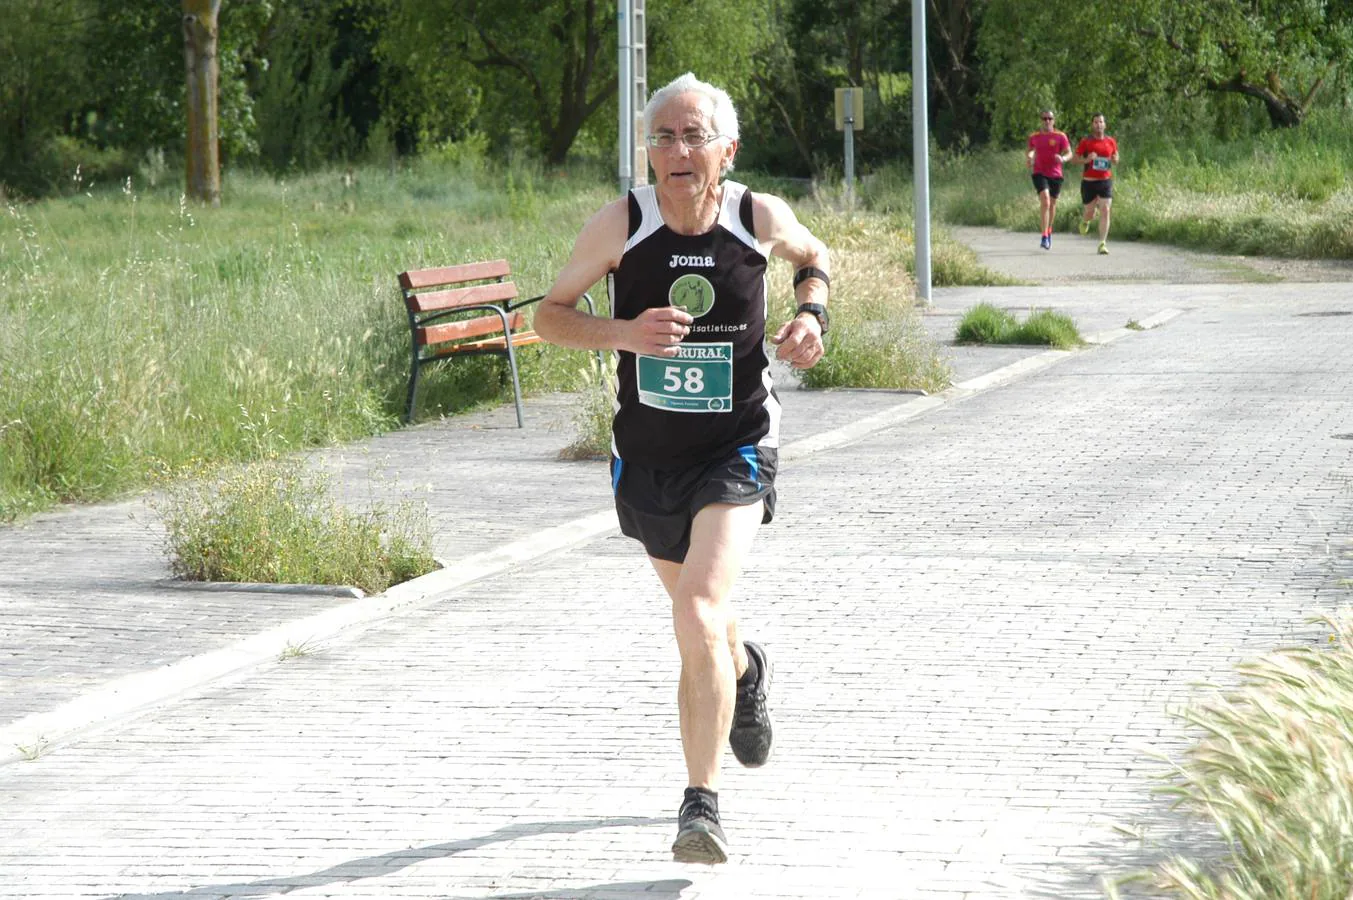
(978,617)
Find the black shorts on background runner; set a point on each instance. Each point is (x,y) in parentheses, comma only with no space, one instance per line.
(1092,189)
(656,507)
(1052,185)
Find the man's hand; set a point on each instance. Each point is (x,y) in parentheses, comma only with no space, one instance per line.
(657,331)
(799,342)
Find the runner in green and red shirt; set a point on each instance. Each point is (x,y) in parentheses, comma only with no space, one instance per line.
(1048,148)
(1098,153)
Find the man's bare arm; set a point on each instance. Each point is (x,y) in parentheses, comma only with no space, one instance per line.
(800,339)
(655,332)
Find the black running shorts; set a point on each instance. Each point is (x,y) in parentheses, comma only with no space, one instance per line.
(1052,185)
(1091,189)
(656,507)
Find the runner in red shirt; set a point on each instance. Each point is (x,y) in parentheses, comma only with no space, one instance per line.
(1048,148)
(1098,153)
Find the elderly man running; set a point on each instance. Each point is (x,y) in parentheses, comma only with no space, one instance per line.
(697,428)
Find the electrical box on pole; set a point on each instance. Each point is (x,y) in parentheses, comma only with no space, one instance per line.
(850,119)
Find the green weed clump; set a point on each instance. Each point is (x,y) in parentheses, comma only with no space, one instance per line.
(1272,770)
(593,415)
(987,324)
(275,522)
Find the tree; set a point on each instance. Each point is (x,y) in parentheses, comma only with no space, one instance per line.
(203,145)
(546,66)
(818,46)
(41,73)
(957,114)
(1119,55)
(1279,52)
(547,71)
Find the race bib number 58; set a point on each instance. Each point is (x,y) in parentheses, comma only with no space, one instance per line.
(698,379)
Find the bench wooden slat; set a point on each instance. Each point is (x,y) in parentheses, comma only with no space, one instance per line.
(420,278)
(519,339)
(468,296)
(466,328)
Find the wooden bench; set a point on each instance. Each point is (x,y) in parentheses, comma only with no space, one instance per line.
(466,310)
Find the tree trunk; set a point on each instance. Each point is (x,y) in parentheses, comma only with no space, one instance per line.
(199,53)
(1283,111)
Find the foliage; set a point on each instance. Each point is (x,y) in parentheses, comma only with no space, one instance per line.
(1278,54)
(1272,769)
(299,108)
(147,112)
(276,522)
(40,83)
(814,48)
(988,324)
(596,409)
(547,67)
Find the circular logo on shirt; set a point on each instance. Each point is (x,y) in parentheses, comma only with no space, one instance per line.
(693,293)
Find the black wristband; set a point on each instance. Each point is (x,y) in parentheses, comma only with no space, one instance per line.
(811,272)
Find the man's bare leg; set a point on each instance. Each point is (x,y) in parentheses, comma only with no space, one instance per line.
(1045,207)
(712,657)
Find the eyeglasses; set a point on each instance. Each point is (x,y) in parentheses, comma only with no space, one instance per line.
(1047,118)
(692,139)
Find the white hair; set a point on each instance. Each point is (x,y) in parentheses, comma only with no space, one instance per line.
(723,118)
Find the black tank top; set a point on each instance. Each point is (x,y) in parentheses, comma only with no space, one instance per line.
(716,396)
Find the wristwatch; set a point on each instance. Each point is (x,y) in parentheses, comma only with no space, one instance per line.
(818,311)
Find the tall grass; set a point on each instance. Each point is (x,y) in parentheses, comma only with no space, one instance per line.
(876,337)
(1272,769)
(1281,193)
(138,332)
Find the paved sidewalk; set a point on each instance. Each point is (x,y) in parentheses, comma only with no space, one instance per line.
(979,606)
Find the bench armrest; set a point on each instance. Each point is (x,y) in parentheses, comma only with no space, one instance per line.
(587,298)
(500,311)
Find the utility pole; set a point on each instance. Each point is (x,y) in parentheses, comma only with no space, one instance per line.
(632,92)
(920,142)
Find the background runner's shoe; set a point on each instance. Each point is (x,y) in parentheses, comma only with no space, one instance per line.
(699,835)
(751,734)
(1085,227)
(1103,248)
(1044,242)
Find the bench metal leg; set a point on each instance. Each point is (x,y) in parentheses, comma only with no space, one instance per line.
(516,384)
(413,393)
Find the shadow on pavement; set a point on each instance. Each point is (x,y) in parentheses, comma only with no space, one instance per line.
(388,863)
(630,890)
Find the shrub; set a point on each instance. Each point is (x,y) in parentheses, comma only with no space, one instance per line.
(275,522)
(986,324)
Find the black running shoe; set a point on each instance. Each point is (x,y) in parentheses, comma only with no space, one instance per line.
(699,836)
(751,734)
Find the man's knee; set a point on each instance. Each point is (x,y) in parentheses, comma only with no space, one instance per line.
(700,619)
